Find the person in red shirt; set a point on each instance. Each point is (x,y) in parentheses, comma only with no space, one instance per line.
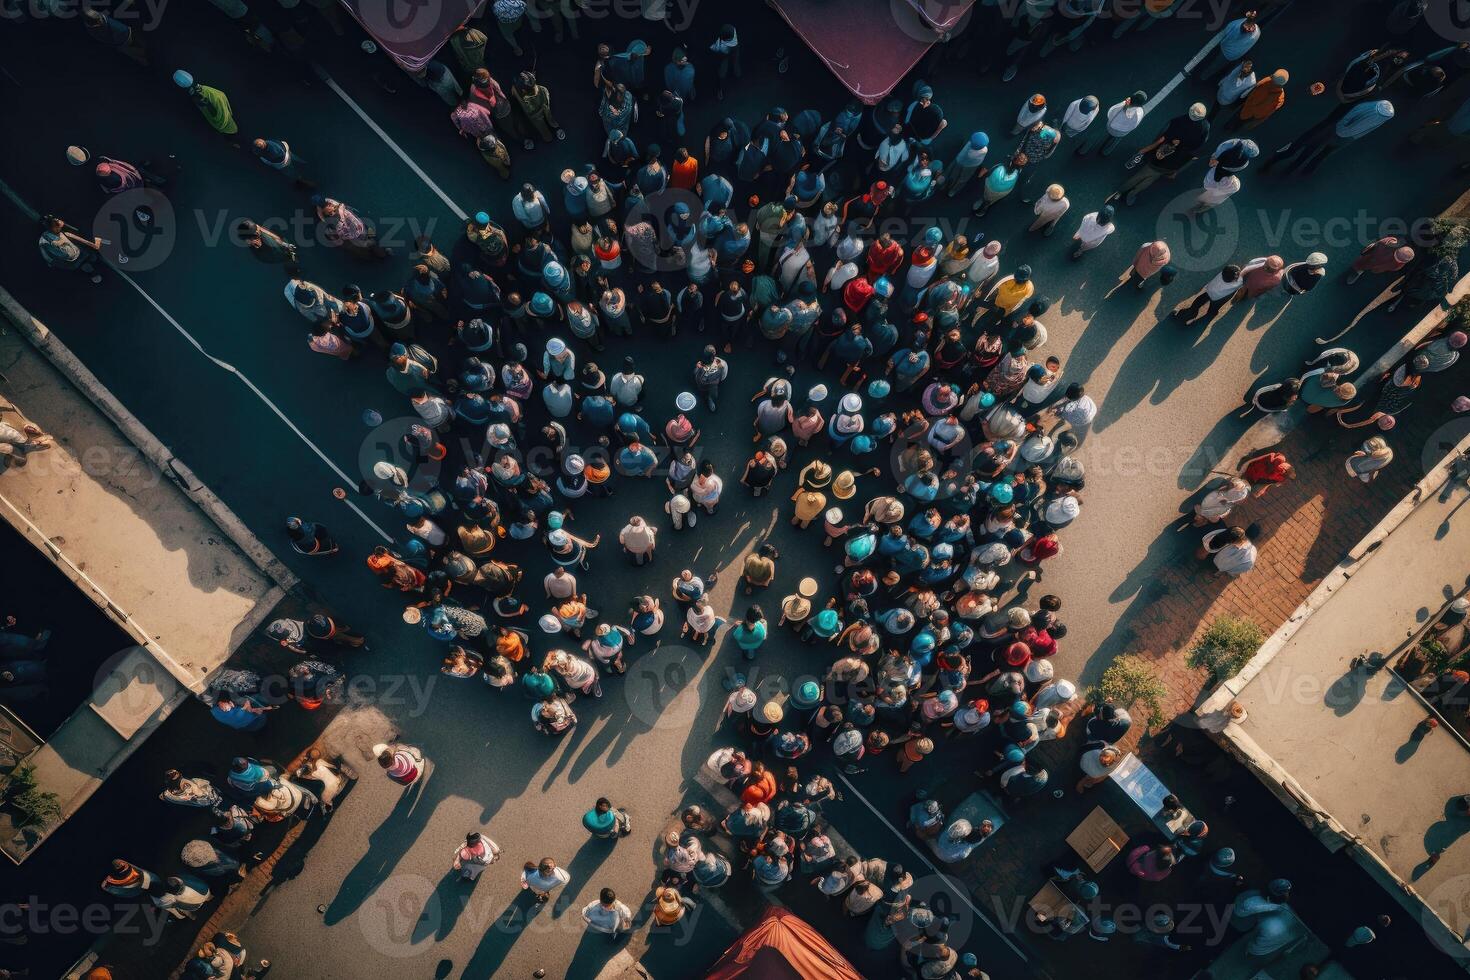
(759,786)
(1266,471)
(684,171)
(1039,549)
(884,257)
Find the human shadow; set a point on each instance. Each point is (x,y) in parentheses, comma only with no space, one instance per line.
(1157,366)
(502,934)
(1346,693)
(387,845)
(593,952)
(589,857)
(443,908)
(1406,751)
(1443,834)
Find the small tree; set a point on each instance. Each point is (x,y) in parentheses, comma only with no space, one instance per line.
(32,805)
(1130,682)
(1226,646)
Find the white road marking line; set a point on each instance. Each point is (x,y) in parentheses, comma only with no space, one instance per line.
(225,365)
(958,890)
(1189,66)
(25,208)
(383,135)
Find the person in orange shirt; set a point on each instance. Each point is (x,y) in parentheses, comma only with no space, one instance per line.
(684,171)
(1262,102)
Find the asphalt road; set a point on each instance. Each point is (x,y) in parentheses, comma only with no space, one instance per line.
(1166,402)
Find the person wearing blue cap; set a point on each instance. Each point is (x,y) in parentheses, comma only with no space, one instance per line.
(213,104)
(967,161)
(488,237)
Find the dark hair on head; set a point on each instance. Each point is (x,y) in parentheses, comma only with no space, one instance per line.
(754,614)
(607,896)
(1075,390)
(1230,273)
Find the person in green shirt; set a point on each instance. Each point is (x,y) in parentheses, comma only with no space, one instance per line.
(605,820)
(213,103)
(750,632)
(537,684)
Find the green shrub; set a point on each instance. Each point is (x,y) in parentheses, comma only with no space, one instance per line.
(1130,682)
(1226,646)
(31,805)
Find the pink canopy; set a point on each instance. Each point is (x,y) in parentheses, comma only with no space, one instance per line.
(871,44)
(411,31)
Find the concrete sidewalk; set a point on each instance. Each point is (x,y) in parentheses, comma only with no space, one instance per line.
(137,534)
(1341,745)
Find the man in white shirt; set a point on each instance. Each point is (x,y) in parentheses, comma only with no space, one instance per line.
(560,584)
(1218,187)
(1094,230)
(1123,118)
(1234,86)
(607,915)
(1213,298)
(1049,209)
(1079,116)
(1077,409)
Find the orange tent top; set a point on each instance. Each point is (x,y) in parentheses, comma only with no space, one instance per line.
(782,947)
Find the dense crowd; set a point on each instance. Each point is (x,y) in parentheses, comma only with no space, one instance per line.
(936,450)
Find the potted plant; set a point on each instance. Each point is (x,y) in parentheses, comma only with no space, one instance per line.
(1225,647)
(30,805)
(1130,682)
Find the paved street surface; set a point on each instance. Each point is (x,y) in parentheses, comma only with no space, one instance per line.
(374,899)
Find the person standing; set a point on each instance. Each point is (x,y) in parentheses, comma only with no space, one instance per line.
(476,854)
(1236,40)
(1122,119)
(1150,258)
(1173,150)
(1094,230)
(637,538)
(1261,102)
(966,162)
(213,104)
(607,915)
(543,878)
(607,821)
(710,371)
(401,763)
(1309,149)
(1214,297)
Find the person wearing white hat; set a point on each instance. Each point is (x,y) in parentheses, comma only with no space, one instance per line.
(1302,277)
(681,511)
(1049,209)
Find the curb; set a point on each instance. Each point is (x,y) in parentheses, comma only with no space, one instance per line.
(139,435)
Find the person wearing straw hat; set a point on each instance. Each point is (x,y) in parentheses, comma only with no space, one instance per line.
(796,607)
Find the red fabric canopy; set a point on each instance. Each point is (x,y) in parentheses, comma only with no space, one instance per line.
(871,44)
(411,31)
(782,947)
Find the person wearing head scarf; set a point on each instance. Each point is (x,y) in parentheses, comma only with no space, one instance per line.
(1368,459)
(1262,102)
(1150,258)
(213,104)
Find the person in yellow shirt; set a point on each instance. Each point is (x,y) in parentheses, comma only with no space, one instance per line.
(1008,295)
